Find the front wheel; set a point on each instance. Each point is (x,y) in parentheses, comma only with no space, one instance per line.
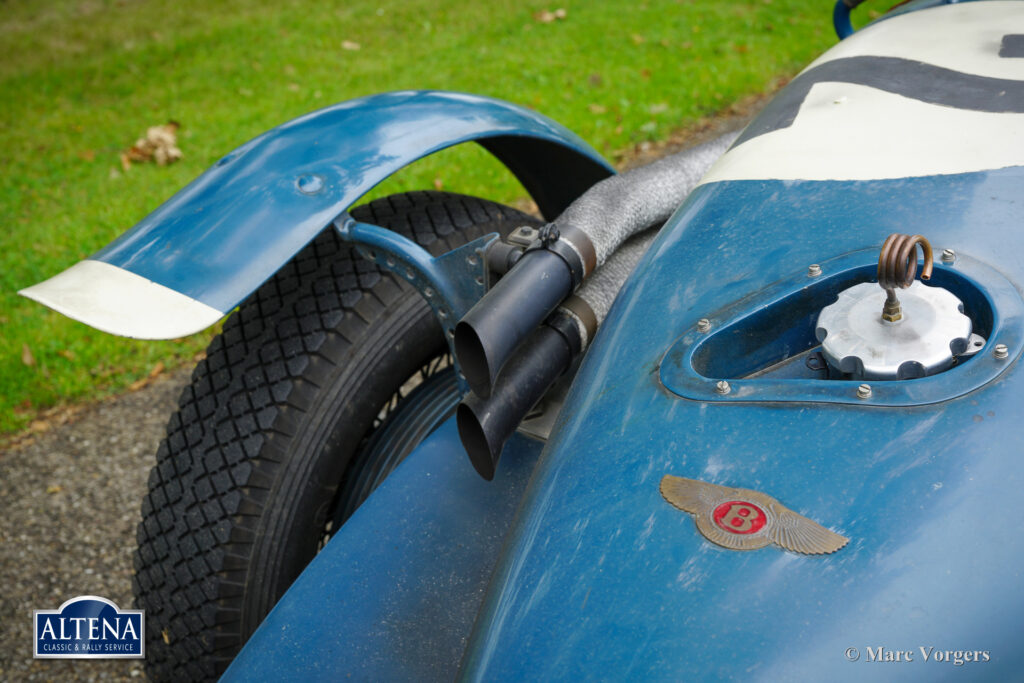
(320,383)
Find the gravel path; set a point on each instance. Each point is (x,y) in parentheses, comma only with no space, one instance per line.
(69,503)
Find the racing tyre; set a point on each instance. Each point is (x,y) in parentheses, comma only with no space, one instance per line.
(323,379)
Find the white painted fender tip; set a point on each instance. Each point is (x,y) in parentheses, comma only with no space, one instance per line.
(117,301)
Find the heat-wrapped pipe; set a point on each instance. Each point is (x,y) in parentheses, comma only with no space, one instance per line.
(587,232)
(623,205)
(600,290)
(485,424)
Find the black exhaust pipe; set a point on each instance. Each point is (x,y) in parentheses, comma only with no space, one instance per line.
(541,279)
(486,424)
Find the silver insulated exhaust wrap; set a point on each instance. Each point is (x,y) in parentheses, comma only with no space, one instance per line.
(599,291)
(623,205)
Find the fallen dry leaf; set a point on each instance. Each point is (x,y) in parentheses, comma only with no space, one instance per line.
(438,183)
(54,488)
(157,369)
(350,45)
(26,356)
(597,108)
(658,108)
(638,39)
(67,353)
(160,145)
(166,636)
(547,16)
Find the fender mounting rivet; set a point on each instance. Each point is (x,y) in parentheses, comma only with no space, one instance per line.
(310,184)
(1001,352)
(864,391)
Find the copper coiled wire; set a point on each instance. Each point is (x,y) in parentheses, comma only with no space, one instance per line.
(897,267)
(897,264)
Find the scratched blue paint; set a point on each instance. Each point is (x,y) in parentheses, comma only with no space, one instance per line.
(230,229)
(601,578)
(394,593)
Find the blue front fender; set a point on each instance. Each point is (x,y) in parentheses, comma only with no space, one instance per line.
(208,247)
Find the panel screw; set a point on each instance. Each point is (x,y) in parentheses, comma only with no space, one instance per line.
(948,256)
(703,325)
(813,270)
(723,387)
(1001,352)
(864,391)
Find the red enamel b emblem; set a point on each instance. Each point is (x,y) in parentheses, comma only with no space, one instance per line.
(740,517)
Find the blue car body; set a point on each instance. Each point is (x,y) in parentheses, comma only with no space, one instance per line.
(599,577)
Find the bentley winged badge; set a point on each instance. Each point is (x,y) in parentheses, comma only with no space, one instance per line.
(741,519)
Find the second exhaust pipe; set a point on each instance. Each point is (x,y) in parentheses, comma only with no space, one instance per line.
(486,424)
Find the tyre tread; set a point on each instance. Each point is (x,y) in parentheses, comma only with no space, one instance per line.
(226,446)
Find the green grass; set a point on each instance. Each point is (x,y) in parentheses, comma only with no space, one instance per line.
(80,81)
